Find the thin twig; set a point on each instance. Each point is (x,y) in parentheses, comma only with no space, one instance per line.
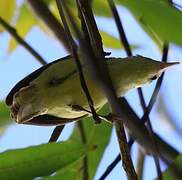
(56,133)
(110,167)
(157,87)
(149,108)
(21,41)
(50,21)
(120,28)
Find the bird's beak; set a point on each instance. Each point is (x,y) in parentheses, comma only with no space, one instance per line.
(165,65)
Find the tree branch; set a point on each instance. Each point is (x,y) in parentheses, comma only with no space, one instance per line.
(140,93)
(21,41)
(56,133)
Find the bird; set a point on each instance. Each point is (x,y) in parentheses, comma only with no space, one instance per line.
(48,96)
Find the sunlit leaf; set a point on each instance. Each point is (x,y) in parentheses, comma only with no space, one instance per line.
(101,8)
(7,10)
(25,21)
(169,173)
(41,160)
(53,8)
(98,136)
(110,41)
(159,18)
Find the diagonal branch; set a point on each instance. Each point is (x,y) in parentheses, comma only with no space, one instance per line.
(56,133)
(157,87)
(21,41)
(140,93)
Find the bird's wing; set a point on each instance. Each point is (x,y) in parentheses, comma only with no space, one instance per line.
(49,120)
(25,81)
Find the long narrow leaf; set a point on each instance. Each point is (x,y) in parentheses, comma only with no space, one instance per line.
(39,160)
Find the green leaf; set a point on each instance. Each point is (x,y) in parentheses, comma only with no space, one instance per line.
(7,10)
(161,20)
(41,160)
(110,41)
(98,136)
(4,115)
(69,172)
(25,21)
(168,174)
(101,8)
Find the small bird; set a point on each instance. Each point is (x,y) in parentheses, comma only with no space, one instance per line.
(48,95)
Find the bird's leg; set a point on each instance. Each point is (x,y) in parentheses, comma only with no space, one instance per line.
(76,107)
(109,118)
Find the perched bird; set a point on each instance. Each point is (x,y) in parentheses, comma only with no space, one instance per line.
(47,96)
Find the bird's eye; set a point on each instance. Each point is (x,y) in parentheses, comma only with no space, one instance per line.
(154,77)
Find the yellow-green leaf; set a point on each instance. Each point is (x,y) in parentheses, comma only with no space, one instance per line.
(7,10)
(101,8)
(41,160)
(110,41)
(25,21)
(169,174)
